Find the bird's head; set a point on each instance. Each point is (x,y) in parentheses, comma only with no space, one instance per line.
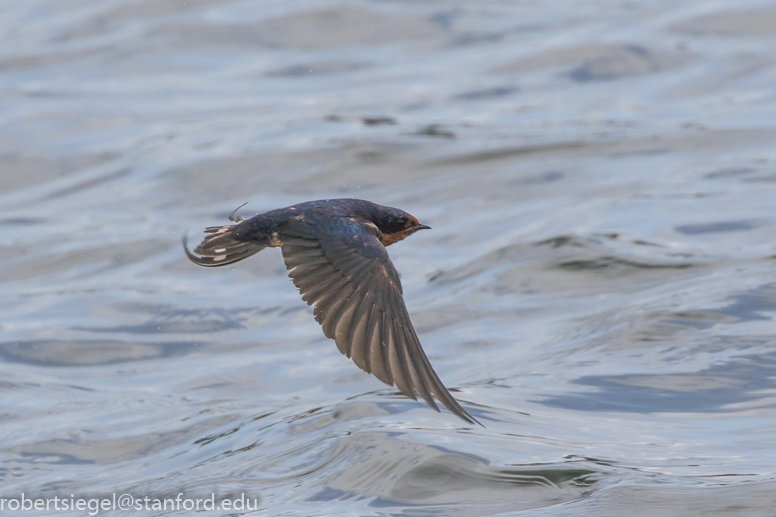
(396,224)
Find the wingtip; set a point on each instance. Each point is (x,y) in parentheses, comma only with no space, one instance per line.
(236,218)
(464,415)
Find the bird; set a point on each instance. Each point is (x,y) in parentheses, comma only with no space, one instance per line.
(335,251)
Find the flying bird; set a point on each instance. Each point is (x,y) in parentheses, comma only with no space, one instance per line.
(335,252)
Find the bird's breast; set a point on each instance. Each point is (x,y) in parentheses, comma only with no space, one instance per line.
(390,238)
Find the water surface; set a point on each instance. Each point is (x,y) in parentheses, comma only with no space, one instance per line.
(598,288)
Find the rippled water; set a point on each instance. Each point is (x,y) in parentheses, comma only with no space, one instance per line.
(598,288)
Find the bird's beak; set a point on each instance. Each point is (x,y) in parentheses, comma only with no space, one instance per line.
(422,227)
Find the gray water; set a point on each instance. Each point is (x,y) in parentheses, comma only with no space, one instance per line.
(599,288)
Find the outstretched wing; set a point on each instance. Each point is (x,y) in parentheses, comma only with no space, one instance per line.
(339,265)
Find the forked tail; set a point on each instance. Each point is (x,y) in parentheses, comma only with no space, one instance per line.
(221,247)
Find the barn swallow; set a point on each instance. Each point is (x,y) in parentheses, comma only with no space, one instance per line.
(335,252)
